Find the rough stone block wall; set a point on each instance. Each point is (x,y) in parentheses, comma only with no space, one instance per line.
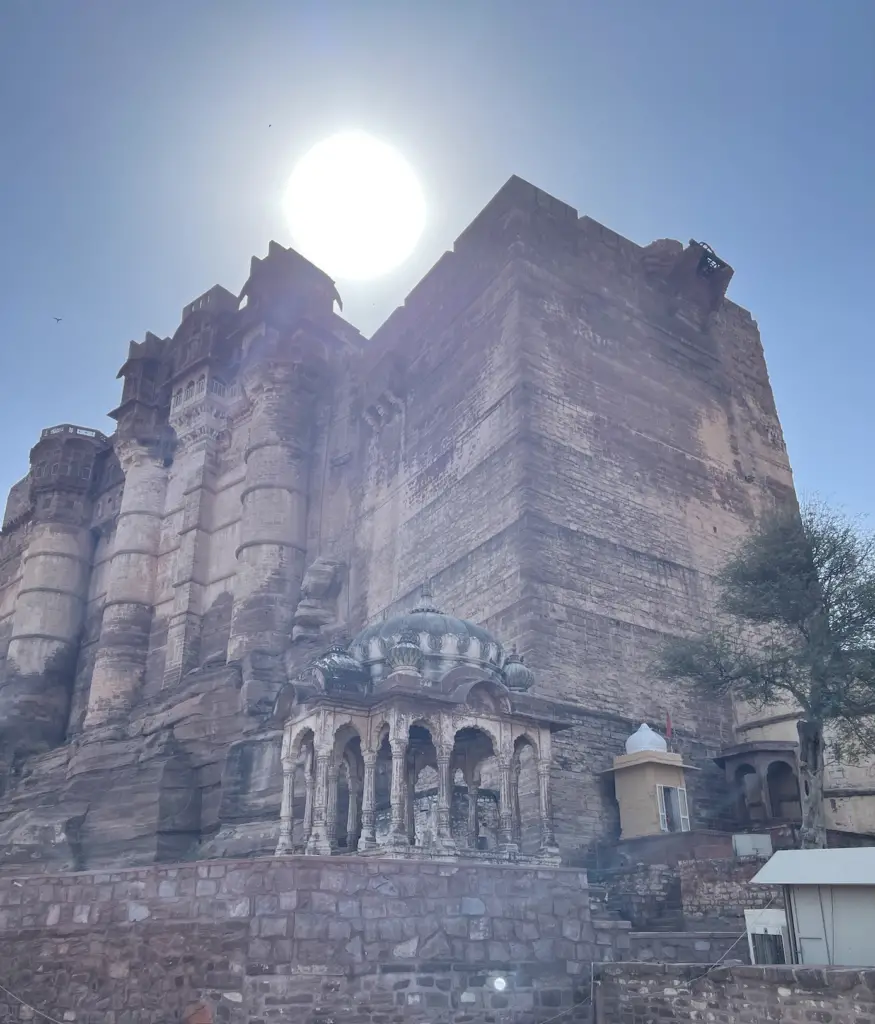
(689,895)
(698,947)
(720,890)
(301,939)
(647,895)
(639,994)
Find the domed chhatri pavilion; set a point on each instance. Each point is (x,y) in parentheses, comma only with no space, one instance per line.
(429,709)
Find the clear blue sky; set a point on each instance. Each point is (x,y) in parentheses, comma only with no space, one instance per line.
(137,168)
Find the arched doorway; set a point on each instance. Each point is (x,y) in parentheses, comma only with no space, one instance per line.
(474,756)
(749,795)
(422,780)
(348,804)
(783,791)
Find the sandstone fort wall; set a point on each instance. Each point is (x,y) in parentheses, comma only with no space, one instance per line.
(565,431)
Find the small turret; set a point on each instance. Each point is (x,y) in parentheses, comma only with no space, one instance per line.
(140,414)
(284,287)
(61,471)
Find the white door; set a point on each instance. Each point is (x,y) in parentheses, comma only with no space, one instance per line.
(812,918)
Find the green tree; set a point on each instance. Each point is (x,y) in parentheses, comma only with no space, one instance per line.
(795,623)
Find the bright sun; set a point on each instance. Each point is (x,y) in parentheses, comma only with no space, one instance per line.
(354,206)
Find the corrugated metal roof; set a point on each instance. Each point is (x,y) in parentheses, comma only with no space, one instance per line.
(819,867)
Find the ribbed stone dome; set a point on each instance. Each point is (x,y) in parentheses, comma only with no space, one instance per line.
(441,636)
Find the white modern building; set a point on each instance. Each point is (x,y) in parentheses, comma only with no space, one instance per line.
(829,898)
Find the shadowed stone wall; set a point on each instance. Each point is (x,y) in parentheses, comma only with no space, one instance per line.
(302,939)
(689,895)
(718,891)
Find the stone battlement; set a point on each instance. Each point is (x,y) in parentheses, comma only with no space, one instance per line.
(71,428)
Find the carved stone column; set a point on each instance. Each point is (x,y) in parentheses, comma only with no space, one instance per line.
(398,793)
(505,804)
(352,811)
(331,806)
(472,781)
(308,799)
(765,795)
(287,825)
(515,793)
(548,839)
(320,841)
(411,800)
(444,798)
(369,802)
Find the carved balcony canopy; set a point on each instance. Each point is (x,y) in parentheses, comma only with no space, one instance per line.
(438,693)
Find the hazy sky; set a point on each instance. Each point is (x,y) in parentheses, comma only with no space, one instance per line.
(137,168)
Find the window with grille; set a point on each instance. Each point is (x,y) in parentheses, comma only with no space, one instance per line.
(768,949)
(674,813)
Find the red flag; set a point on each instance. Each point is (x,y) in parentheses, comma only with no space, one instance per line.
(668,725)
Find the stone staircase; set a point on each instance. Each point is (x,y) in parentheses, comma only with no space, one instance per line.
(611,931)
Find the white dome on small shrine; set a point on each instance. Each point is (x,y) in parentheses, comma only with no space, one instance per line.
(645,739)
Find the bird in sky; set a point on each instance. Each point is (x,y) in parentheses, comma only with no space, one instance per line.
(57,319)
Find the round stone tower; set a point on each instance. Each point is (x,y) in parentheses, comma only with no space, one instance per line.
(282,379)
(41,661)
(285,364)
(120,663)
(143,446)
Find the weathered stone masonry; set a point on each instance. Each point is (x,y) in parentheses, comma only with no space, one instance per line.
(564,431)
(300,939)
(635,993)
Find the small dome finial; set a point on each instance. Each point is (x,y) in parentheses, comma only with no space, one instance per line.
(426,598)
(517,675)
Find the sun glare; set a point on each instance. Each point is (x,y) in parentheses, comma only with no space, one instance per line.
(354,206)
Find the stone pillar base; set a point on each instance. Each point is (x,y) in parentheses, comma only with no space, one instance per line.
(318,845)
(549,855)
